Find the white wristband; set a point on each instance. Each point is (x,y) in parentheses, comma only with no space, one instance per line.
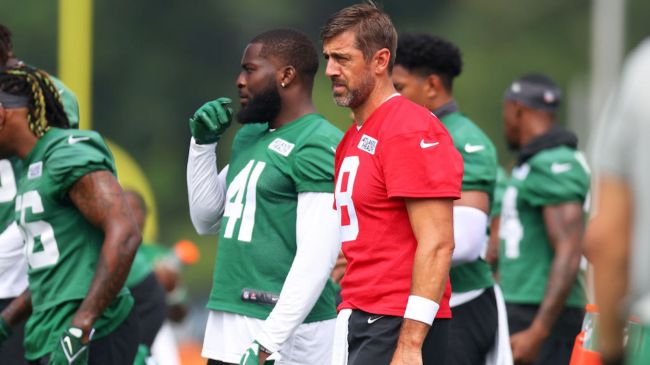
(421,309)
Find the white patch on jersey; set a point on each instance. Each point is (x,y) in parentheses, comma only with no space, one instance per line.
(281,146)
(560,168)
(521,172)
(35,170)
(367,144)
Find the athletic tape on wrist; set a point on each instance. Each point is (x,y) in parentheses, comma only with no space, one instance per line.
(421,309)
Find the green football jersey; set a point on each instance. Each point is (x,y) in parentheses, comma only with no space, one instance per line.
(61,246)
(9,171)
(553,176)
(69,101)
(257,242)
(499,190)
(479,174)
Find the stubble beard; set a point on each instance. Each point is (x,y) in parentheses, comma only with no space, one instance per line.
(356,96)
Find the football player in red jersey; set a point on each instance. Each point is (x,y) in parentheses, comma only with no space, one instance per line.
(396,176)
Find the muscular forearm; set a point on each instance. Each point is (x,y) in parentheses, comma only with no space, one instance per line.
(432,223)
(431,270)
(607,245)
(562,276)
(608,297)
(19,309)
(112,269)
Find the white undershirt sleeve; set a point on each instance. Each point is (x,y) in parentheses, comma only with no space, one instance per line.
(318,244)
(206,189)
(470,234)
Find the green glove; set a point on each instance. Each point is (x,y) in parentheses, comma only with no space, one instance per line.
(69,349)
(5,330)
(211,120)
(252,355)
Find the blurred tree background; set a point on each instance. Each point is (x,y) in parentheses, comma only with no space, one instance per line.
(155,62)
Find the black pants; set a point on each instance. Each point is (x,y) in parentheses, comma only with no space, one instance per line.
(12,351)
(557,348)
(473,330)
(150,307)
(118,348)
(372,340)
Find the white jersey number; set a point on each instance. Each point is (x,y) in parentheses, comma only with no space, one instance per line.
(511,230)
(245,183)
(343,195)
(7,182)
(37,229)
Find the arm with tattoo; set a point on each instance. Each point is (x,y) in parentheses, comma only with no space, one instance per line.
(99,197)
(19,309)
(565,228)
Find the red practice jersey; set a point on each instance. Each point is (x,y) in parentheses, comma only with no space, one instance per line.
(401,151)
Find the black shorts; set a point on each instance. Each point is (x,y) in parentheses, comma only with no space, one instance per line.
(117,348)
(150,306)
(473,330)
(557,348)
(372,339)
(12,351)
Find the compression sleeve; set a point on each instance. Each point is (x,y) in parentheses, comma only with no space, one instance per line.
(470,234)
(318,244)
(206,189)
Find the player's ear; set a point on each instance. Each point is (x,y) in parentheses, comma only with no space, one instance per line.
(380,60)
(287,75)
(431,86)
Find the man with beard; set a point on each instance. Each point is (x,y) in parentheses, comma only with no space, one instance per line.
(397,174)
(272,209)
(542,223)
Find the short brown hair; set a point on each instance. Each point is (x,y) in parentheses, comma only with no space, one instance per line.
(372,27)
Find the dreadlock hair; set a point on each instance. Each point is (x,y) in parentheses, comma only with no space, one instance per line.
(5,45)
(45,108)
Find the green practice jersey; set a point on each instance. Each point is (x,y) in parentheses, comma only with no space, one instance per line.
(62,247)
(499,190)
(479,174)
(257,241)
(553,176)
(9,171)
(69,101)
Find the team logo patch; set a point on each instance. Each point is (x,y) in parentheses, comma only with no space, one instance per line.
(281,146)
(367,144)
(35,170)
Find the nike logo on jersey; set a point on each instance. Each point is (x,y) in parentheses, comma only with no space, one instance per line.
(372,320)
(73,140)
(333,149)
(473,148)
(67,341)
(427,145)
(559,168)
